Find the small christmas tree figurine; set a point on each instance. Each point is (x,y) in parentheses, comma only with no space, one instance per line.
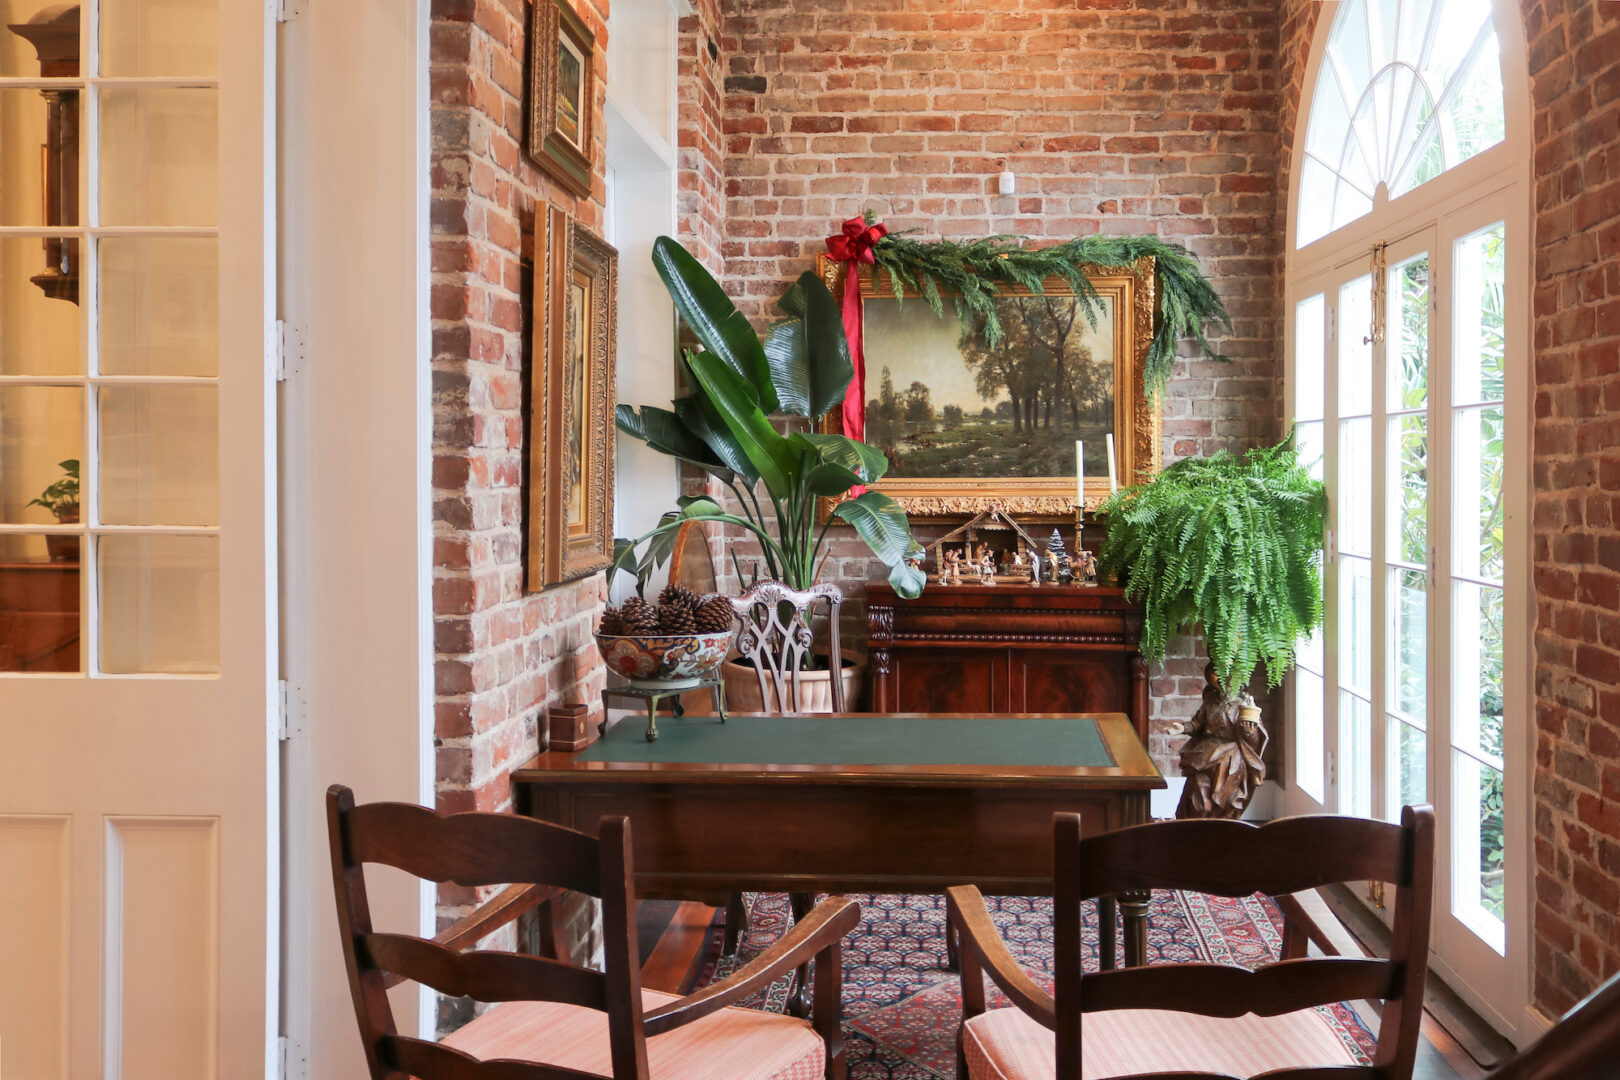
(1057,556)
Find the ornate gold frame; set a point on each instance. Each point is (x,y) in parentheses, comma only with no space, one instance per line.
(567,160)
(571,411)
(1132,289)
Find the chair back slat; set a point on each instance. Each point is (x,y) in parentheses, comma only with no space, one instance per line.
(775,636)
(473,849)
(1226,991)
(1235,858)
(486,976)
(418,1057)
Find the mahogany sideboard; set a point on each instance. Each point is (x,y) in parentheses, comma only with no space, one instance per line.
(1007,648)
(39,616)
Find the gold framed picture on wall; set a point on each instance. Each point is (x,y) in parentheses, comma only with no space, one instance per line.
(571,445)
(967,425)
(561,94)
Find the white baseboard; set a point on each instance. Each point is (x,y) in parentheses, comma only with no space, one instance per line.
(1536,1024)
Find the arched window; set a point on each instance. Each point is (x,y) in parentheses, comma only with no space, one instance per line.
(1406,91)
(1408,291)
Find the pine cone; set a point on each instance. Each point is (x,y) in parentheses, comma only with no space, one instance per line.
(638,617)
(714,615)
(676,593)
(612,623)
(676,618)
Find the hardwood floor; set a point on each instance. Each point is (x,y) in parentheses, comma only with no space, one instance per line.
(672,934)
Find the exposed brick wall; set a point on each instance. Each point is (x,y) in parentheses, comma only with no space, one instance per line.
(699,205)
(1136,116)
(502,652)
(1297,27)
(1574,54)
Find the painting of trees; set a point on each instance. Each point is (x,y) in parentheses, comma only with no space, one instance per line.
(950,405)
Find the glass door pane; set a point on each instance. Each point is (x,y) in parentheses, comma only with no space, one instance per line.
(1477,458)
(1406,546)
(1353,529)
(1310,344)
(113,385)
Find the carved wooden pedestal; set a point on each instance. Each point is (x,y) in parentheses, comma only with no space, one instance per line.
(1007,648)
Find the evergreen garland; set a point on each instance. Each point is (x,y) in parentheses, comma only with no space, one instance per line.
(1234,544)
(975,272)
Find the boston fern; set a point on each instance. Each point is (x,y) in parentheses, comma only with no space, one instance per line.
(1233,544)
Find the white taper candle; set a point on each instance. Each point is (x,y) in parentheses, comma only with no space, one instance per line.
(1113,482)
(1079,473)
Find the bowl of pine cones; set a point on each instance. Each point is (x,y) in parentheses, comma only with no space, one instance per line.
(674,643)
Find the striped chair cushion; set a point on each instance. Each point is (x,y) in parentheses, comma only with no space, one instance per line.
(743,1044)
(1004,1044)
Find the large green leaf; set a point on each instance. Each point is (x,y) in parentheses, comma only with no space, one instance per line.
(852,454)
(880,522)
(704,306)
(809,353)
(700,417)
(739,409)
(908,580)
(828,480)
(667,433)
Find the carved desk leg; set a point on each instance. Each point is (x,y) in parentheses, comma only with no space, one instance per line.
(1134,906)
(1107,933)
(799,1004)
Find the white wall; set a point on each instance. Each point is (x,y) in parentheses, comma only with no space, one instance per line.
(357,614)
(641,206)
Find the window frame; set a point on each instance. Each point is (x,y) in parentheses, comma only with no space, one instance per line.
(1493,185)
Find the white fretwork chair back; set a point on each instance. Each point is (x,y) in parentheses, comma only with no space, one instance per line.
(776,638)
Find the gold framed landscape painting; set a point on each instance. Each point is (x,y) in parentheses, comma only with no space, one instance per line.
(966,425)
(574,325)
(561,89)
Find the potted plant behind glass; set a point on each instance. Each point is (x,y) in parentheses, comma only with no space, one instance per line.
(62,500)
(1232,545)
(735,383)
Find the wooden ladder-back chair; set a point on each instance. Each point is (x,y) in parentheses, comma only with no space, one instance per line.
(552,1020)
(776,638)
(1209,1021)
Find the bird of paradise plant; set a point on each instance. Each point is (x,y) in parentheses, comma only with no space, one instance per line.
(735,383)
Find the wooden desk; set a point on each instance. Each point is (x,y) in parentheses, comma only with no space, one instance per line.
(920,815)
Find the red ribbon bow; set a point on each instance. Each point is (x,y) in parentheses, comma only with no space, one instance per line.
(855,241)
(853,244)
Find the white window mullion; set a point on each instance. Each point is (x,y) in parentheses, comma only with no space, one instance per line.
(1379,377)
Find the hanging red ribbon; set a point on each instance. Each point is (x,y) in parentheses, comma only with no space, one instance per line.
(853,244)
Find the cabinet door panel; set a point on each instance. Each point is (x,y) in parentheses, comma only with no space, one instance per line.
(1054,681)
(970,682)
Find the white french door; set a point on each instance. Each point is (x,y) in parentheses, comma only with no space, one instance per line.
(1405,364)
(137,802)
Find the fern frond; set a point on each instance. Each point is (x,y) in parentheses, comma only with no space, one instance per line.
(1231,544)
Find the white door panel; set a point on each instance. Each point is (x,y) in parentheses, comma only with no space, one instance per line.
(138,802)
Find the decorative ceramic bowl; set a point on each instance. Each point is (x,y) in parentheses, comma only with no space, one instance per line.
(664,661)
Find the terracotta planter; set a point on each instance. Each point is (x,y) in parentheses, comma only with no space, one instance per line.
(64,548)
(815,687)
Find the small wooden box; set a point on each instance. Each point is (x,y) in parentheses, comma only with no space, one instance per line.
(569,727)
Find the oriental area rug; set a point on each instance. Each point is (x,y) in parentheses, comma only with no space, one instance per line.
(902,1005)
